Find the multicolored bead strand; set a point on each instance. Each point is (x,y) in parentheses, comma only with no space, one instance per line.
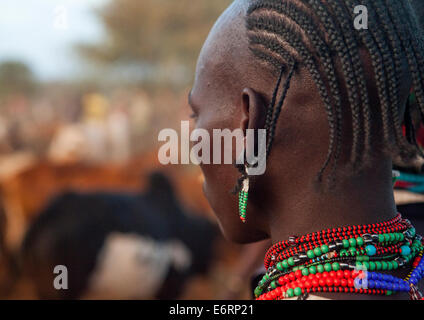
(336,260)
(295,244)
(243,197)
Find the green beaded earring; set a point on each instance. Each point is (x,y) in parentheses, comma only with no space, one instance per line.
(395,176)
(243,197)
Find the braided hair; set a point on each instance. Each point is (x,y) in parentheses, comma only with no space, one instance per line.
(418,6)
(316,34)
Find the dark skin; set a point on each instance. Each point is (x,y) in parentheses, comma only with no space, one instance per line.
(232,89)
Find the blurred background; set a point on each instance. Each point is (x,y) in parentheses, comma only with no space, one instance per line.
(85,88)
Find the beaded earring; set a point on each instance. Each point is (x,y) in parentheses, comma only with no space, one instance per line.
(395,176)
(243,197)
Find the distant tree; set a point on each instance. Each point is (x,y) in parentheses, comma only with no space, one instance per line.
(15,77)
(154,32)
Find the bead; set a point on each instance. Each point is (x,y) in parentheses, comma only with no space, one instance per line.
(405,250)
(345,243)
(359,241)
(258,291)
(280,266)
(298,291)
(335,266)
(290,293)
(317,252)
(370,250)
(324,248)
(330,263)
(327,267)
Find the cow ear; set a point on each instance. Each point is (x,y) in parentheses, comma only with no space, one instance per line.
(160,187)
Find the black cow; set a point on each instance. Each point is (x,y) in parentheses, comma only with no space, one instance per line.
(120,246)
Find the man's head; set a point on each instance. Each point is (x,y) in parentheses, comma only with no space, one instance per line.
(330,96)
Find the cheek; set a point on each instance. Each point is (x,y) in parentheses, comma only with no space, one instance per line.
(220,178)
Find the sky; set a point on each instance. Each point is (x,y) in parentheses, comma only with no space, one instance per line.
(42,34)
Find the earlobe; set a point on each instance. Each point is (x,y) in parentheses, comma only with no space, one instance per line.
(253,110)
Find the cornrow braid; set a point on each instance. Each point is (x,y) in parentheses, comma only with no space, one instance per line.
(313,33)
(317,39)
(417,65)
(343,12)
(418,6)
(394,68)
(272,25)
(389,47)
(337,40)
(412,54)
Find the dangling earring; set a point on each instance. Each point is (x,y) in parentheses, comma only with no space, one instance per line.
(395,176)
(243,197)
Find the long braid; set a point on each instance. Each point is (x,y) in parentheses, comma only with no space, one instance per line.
(411,54)
(406,150)
(337,40)
(271,107)
(343,11)
(417,67)
(278,108)
(388,43)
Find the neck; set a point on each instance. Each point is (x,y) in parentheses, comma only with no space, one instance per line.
(362,199)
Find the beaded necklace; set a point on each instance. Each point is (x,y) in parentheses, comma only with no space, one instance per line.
(345,260)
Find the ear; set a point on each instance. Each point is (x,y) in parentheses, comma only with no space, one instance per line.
(253,110)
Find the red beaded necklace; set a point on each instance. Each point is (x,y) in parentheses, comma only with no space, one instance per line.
(286,248)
